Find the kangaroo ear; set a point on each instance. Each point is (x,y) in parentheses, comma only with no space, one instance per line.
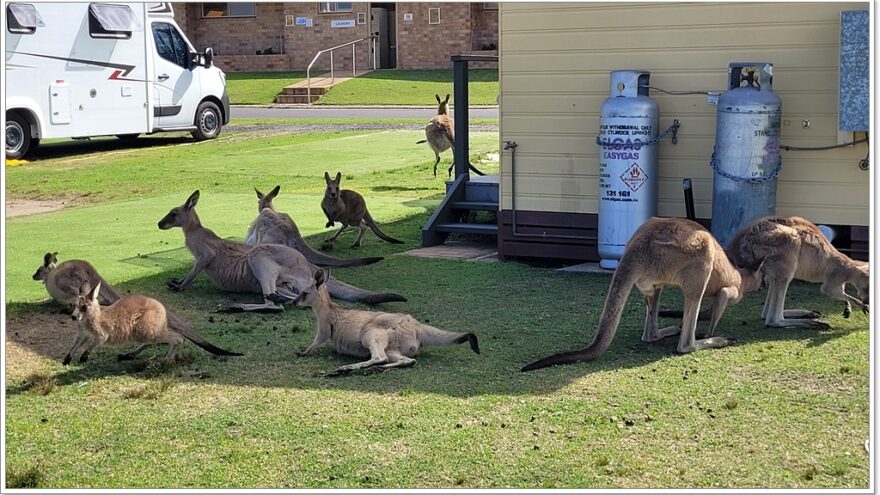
(326,177)
(447,98)
(438,98)
(338,177)
(49,259)
(259,194)
(274,192)
(322,276)
(93,295)
(192,200)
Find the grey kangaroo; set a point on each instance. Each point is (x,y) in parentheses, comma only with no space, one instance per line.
(136,318)
(348,208)
(389,340)
(440,133)
(277,272)
(272,227)
(63,281)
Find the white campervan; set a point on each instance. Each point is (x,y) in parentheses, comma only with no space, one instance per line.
(98,69)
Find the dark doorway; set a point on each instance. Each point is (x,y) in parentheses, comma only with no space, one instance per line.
(383,22)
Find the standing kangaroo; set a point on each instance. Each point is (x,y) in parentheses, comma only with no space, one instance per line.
(666,252)
(348,208)
(130,319)
(794,248)
(389,340)
(272,227)
(440,133)
(275,271)
(63,281)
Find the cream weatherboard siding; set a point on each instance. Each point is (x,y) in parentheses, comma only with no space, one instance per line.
(554,75)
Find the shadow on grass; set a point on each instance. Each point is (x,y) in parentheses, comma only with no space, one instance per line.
(438,75)
(248,76)
(69,148)
(520,313)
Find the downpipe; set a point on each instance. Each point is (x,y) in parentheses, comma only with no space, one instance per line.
(511,146)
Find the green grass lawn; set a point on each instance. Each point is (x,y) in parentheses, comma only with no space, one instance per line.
(258,88)
(411,87)
(781,408)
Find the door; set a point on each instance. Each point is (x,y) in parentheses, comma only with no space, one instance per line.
(176,85)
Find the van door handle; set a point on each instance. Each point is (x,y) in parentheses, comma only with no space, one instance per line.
(163,77)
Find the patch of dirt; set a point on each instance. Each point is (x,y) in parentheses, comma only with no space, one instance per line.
(37,336)
(22,207)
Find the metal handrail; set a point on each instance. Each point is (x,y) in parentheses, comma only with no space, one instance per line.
(372,39)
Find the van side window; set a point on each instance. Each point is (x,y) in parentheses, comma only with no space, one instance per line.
(170,45)
(22,18)
(112,21)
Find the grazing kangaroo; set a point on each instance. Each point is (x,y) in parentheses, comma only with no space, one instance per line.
(794,248)
(130,319)
(348,208)
(272,227)
(666,252)
(440,132)
(275,271)
(63,281)
(389,340)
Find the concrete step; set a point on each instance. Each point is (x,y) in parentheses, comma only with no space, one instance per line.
(468,228)
(295,98)
(289,90)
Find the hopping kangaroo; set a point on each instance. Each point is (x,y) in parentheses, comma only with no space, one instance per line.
(348,208)
(63,282)
(440,132)
(272,227)
(389,340)
(130,319)
(662,253)
(275,271)
(794,248)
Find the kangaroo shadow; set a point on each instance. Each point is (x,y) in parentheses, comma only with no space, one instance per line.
(71,148)
(519,313)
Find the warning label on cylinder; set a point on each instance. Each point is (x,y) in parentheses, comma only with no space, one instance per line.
(634,177)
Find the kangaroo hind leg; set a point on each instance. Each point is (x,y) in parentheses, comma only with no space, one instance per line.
(652,303)
(697,277)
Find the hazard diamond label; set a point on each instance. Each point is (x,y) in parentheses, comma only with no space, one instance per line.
(634,177)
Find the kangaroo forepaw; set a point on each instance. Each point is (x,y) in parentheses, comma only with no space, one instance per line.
(66,360)
(84,358)
(175,284)
(865,309)
(329,224)
(337,373)
(276,298)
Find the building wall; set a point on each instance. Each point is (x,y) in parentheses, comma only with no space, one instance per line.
(429,46)
(554,75)
(234,35)
(485,27)
(302,43)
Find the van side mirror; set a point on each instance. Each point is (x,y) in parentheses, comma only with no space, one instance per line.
(209,57)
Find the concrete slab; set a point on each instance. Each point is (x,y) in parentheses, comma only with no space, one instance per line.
(585,268)
(467,251)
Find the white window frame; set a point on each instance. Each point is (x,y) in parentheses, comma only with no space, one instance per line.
(15,25)
(490,5)
(227,15)
(437,9)
(98,28)
(333,8)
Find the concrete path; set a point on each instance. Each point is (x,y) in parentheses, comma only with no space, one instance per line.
(327,112)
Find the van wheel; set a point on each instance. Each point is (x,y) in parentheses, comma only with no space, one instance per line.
(208,121)
(18,136)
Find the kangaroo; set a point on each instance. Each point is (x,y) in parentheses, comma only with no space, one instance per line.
(440,133)
(794,248)
(666,252)
(64,280)
(137,318)
(272,227)
(348,208)
(275,271)
(389,340)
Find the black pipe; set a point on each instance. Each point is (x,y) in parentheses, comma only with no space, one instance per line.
(689,199)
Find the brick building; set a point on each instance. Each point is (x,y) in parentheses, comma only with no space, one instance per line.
(281,36)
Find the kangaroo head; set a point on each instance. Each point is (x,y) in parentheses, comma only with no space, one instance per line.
(310,294)
(443,105)
(86,301)
(752,280)
(180,215)
(48,265)
(265,200)
(332,185)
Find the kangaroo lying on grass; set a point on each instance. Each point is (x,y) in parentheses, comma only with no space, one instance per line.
(440,132)
(277,272)
(389,340)
(662,253)
(348,208)
(794,248)
(63,281)
(271,227)
(130,319)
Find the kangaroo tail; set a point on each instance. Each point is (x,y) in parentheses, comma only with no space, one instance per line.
(429,335)
(322,259)
(375,228)
(108,293)
(423,141)
(618,292)
(345,292)
(200,341)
